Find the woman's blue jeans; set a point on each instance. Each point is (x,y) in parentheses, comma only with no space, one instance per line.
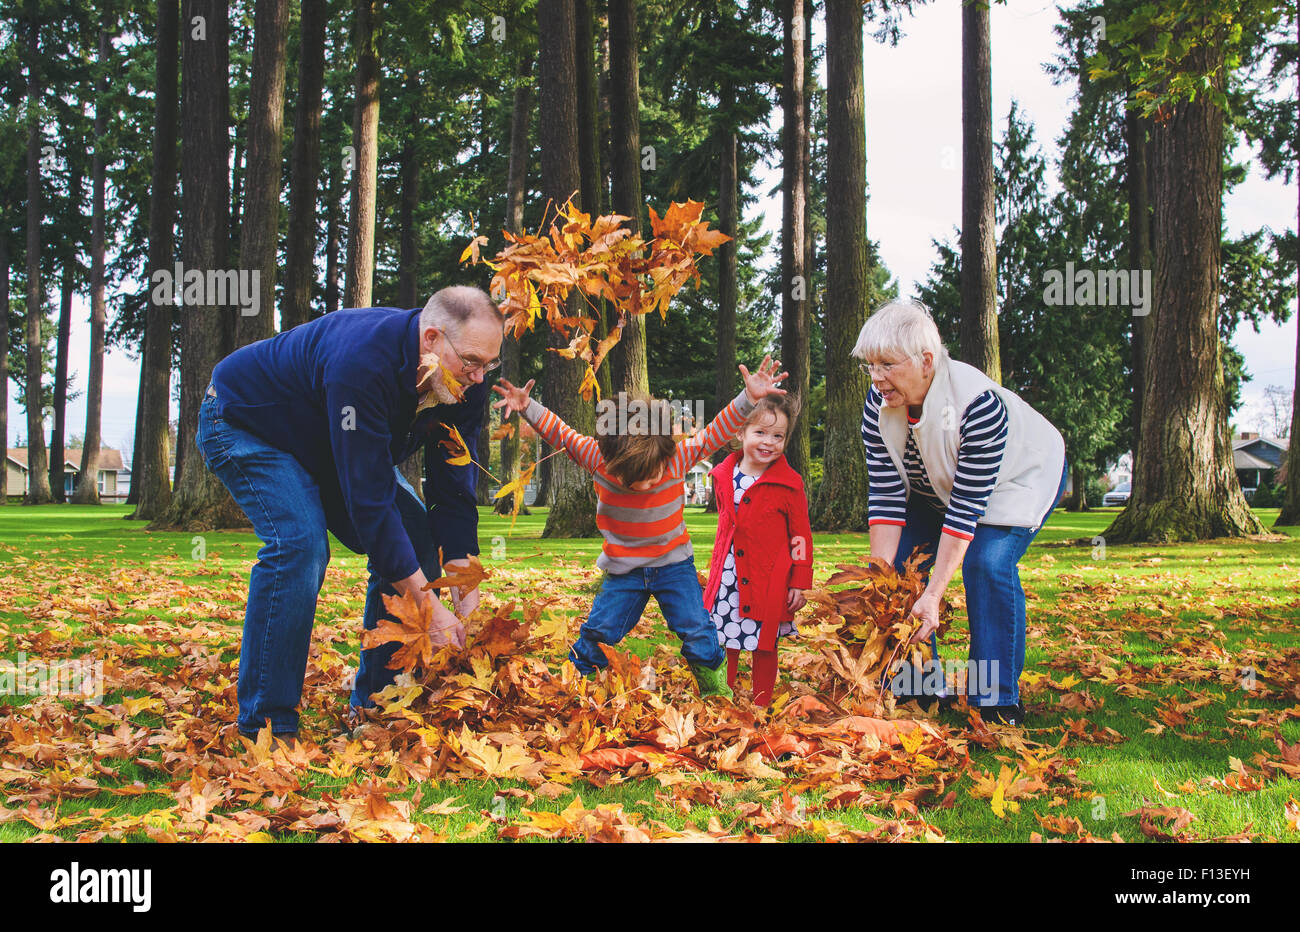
(283,502)
(995,599)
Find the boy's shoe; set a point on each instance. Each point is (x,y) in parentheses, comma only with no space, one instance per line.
(712,682)
(1003,714)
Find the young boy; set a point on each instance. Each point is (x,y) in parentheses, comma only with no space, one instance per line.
(647,550)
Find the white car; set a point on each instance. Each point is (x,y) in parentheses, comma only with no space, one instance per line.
(1116,496)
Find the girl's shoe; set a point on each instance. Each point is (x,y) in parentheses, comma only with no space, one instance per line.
(712,682)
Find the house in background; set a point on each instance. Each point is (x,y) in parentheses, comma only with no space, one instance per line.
(112,488)
(1257,459)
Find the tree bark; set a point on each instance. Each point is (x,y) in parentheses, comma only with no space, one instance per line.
(979,262)
(409,258)
(150,467)
(1290,513)
(841,501)
(1184,487)
(332,240)
(591,185)
(200,501)
(728,288)
(629,369)
(516,182)
(58,439)
(87,490)
(574,511)
(300,251)
(1139,250)
(259,235)
(360,272)
(38,491)
(797,284)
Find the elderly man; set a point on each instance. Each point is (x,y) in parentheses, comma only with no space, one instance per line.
(305,430)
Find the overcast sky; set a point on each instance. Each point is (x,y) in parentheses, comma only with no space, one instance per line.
(913,104)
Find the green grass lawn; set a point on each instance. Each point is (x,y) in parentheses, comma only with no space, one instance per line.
(1189,653)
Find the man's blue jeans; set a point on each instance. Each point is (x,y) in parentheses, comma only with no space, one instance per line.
(623,597)
(995,599)
(373,674)
(282,501)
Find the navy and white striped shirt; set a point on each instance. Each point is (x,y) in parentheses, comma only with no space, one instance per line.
(983,438)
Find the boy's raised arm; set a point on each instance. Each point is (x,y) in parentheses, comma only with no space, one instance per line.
(582,449)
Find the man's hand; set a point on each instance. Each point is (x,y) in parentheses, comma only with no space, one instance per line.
(760,384)
(513,398)
(446,627)
(794,600)
(926,608)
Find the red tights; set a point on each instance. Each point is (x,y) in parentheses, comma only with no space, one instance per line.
(764,670)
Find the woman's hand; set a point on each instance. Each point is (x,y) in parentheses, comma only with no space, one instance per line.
(760,384)
(794,599)
(926,608)
(513,398)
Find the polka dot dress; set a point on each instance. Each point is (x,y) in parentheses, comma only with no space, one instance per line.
(735,630)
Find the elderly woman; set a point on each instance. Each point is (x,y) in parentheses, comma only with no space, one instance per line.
(966,470)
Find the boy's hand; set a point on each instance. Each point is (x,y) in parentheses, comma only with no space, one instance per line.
(762,383)
(794,599)
(513,398)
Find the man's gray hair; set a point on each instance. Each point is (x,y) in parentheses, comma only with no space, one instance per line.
(902,327)
(450,308)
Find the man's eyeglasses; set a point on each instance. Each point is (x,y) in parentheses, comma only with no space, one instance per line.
(872,368)
(470,365)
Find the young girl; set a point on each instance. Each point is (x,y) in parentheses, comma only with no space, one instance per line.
(762,559)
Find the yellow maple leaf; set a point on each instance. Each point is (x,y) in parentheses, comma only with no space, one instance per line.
(457,451)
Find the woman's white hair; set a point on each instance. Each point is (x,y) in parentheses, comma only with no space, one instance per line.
(902,327)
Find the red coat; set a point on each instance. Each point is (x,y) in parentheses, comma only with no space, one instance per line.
(770,530)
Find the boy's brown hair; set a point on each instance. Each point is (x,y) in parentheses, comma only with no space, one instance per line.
(768,407)
(635,457)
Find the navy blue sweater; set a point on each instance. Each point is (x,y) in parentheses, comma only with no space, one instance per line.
(338,393)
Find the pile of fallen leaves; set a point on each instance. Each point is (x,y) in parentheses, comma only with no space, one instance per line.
(509,708)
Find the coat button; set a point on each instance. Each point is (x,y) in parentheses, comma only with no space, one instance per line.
(745,500)
(745,581)
(740,553)
(746,609)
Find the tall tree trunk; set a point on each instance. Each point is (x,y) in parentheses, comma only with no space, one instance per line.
(300,252)
(259,235)
(332,240)
(979,261)
(796,276)
(58,437)
(1139,249)
(574,511)
(150,479)
(728,289)
(629,369)
(591,197)
(1290,513)
(841,501)
(200,501)
(409,257)
(365,138)
(38,491)
(1184,487)
(4,361)
(516,182)
(87,491)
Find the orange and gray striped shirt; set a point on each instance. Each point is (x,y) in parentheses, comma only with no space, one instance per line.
(640,528)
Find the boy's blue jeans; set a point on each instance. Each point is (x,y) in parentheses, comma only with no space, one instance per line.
(995,599)
(623,597)
(282,501)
